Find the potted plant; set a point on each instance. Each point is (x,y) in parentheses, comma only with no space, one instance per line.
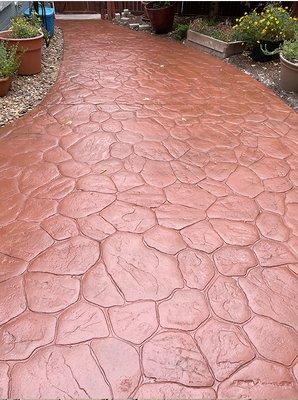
(267,29)
(161,15)
(9,64)
(26,34)
(289,64)
(216,37)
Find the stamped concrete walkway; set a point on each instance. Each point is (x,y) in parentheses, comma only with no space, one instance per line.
(148,217)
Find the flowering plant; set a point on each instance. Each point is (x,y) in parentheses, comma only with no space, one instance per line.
(273,24)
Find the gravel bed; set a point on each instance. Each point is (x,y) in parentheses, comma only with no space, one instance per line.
(27,91)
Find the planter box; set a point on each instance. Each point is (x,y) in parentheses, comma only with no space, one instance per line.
(213,46)
(288,75)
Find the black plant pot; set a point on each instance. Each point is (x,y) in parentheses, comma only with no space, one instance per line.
(257,54)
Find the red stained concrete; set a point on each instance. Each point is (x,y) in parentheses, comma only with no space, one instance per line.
(148,216)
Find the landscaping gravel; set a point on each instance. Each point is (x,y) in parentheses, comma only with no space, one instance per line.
(27,91)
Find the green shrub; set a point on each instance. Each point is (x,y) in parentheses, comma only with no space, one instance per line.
(161,4)
(274,23)
(23,27)
(180,32)
(9,62)
(218,30)
(290,50)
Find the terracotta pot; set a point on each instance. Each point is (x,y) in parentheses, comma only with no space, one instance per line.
(5,85)
(29,51)
(161,18)
(257,54)
(289,75)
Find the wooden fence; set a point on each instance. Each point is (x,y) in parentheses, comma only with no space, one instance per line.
(200,8)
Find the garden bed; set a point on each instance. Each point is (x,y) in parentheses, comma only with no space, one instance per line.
(27,91)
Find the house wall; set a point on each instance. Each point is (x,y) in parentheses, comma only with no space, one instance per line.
(9,9)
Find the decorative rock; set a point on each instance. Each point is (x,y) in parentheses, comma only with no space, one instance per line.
(228,301)
(72,257)
(56,370)
(99,288)
(80,322)
(267,290)
(163,360)
(20,337)
(50,293)
(144,27)
(196,267)
(120,363)
(130,218)
(80,204)
(137,270)
(201,236)
(259,380)
(224,346)
(234,260)
(273,341)
(186,310)
(134,322)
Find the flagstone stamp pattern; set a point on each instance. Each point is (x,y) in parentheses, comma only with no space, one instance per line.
(148,229)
